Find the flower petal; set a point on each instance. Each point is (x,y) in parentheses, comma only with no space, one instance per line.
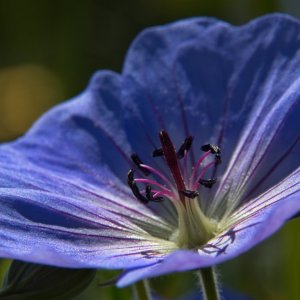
(281,192)
(256,222)
(45,228)
(83,134)
(150,88)
(62,200)
(268,145)
(234,86)
(84,140)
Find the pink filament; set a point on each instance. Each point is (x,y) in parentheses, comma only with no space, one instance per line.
(196,183)
(197,165)
(159,174)
(152,182)
(157,193)
(163,193)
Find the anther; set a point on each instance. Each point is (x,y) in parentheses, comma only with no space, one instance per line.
(134,188)
(208,182)
(150,197)
(158,152)
(210,147)
(185,146)
(137,161)
(189,194)
(130,177)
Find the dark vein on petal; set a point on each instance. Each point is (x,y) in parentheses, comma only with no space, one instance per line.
(279,127)
(266,152)
(137,237)
(89,126)
(179,99)
(252,132)
(96,216)
(149,98)
(272,169)
(139,212)
(256,209)
(80,187)
(224,120)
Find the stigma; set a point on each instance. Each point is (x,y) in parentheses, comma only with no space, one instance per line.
(179,181)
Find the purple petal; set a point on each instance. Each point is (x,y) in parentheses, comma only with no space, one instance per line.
(82,135)
(288,187)
(63,197)
(260,218)
(46,228)
(233,86)
(62,200)
(151,90)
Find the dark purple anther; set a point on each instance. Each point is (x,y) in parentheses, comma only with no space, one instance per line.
(134,188)
(150,197)
(137,161)
(189,194)
(185,147)
(158,152)
(210,147)
(208,182)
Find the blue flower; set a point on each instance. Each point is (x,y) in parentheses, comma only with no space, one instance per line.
(218,107)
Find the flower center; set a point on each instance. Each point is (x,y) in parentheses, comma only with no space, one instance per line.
(181,189)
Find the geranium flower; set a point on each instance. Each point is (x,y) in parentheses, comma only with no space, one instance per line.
(186,159)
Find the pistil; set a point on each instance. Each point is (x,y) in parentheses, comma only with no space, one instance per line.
(172,162)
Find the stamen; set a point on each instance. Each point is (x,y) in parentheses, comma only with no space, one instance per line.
(138,162)
(152,182)
(194,227)
(190,194)
(200,160)
(159,174)
(196,183)
(185,147)
(150,196)
(134,188)
(162,193)
(158,152)
(208,182)
(210,147)
(130,177)
(165,187)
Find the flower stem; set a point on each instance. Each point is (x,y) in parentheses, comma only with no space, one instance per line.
(209,284)
(142,291)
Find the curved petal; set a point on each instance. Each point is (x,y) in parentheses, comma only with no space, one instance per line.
(234,241)
(149,86)
(234,86)
(62,200)
(84,134)
(43,227)
(281,192)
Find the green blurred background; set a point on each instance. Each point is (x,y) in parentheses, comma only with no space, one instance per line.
(49,49)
